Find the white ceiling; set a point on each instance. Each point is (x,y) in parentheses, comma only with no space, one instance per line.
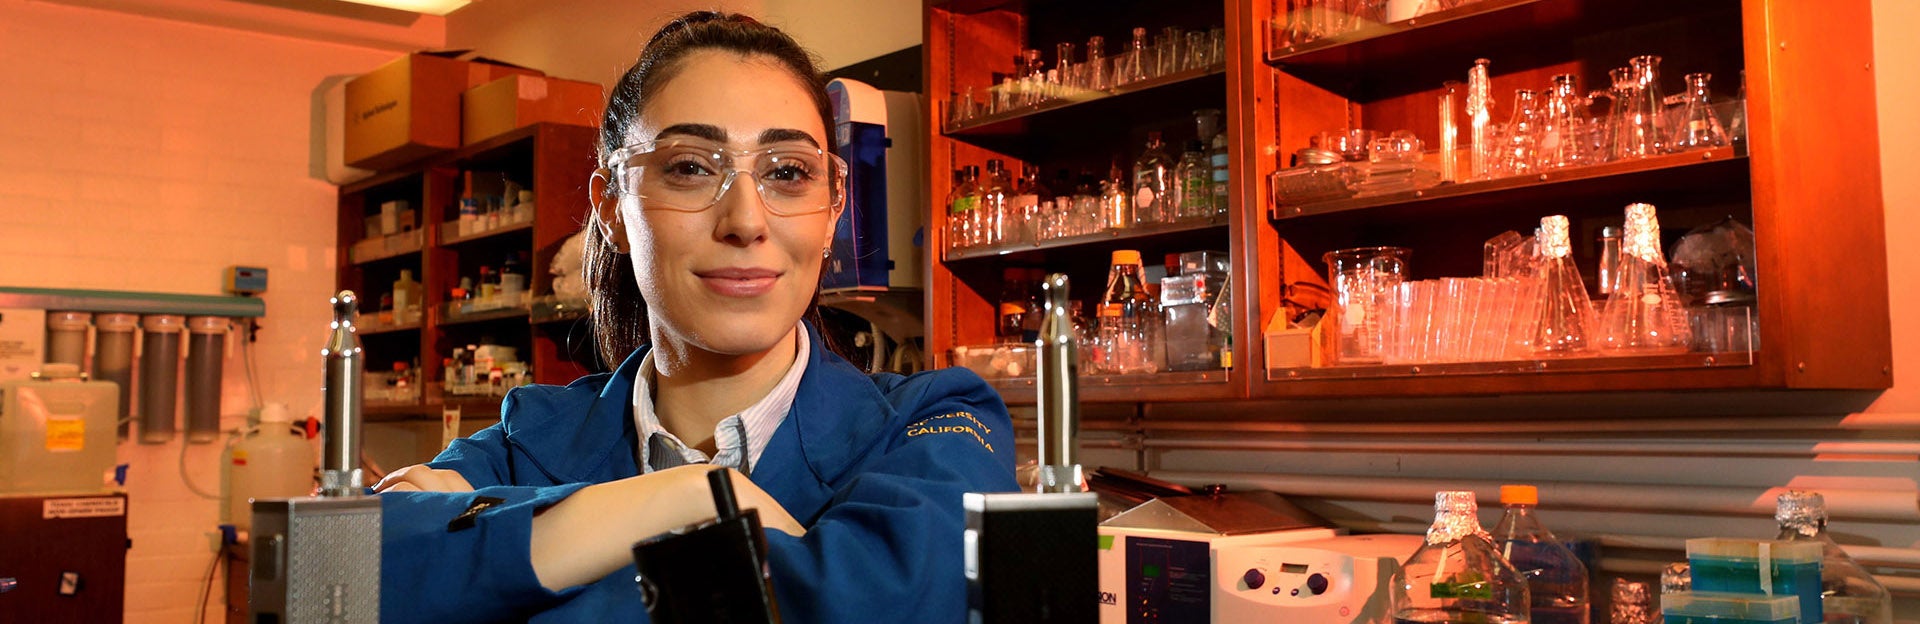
(334,21)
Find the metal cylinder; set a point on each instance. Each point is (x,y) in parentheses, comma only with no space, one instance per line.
(206,355)
(67,337)
(113,360)
(159,372)
(340,473)
(1058,382)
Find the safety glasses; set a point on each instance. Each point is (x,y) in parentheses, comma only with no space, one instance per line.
(691,175)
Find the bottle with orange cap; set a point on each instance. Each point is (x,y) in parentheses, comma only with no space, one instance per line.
(1556,580)
(1128,318)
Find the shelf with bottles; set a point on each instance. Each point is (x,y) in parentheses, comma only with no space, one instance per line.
(482,371)
(491,203)
(1063,100)
(554,309)
(1346,51)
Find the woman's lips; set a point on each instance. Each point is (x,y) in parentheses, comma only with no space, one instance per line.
(736,282)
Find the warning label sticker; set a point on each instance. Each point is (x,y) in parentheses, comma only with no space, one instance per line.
(103,507)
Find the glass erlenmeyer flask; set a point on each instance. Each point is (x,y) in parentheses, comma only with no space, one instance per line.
(1620,117)
(1520,146)
(1848,594)
(1563,125)
(1699,126)
(1643,315)
(1565,313)
(1458,575)
(1648,109)
(1096,74)
(1132,64)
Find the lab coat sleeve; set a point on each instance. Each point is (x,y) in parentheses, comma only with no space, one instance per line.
(433,572)
(888,546)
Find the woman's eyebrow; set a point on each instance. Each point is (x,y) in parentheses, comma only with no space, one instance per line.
(696,130)
(783,135)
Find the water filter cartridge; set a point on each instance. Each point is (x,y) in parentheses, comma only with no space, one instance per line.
(159,372)
(206,352)
(113,360)
(67,337)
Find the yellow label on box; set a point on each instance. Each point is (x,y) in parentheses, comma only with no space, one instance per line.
(66,435)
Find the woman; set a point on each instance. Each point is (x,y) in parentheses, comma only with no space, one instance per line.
(713,212)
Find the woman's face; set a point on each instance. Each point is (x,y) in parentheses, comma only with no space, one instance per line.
(734,278)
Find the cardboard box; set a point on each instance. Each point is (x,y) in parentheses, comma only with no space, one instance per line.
(410,108)
(503,105)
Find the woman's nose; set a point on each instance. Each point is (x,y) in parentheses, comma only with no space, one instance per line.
(742,213)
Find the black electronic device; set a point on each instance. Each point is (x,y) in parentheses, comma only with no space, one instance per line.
(714,572)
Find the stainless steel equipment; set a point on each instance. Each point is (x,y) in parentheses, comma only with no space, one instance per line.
(1157,560)
(1339,580)
(1030,557)
(317,559)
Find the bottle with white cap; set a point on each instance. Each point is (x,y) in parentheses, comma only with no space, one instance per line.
(270,461)
(1848,594)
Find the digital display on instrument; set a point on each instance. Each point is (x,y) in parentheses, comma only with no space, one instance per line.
(1293,568)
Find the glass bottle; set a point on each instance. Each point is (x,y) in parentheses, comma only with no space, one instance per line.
(1643,315)
(1085,217)
(1480,119)
(1193,192)
(1034,79)
(1132,66)
(1699,126)
(1116,204)
(1028,195)
(1013,305)
(1458,576)
(1097,74)
(1152,175)
(962,204)
(1212,132)
(993,204)
(1556,580)
(1565,317)
(1127,318)
(1066,74)
(1848,594)
(1609,271)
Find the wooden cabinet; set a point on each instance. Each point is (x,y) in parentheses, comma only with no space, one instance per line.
(1806,180)
(554,163)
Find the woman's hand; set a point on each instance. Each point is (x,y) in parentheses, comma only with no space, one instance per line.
(420,478)
(591,534)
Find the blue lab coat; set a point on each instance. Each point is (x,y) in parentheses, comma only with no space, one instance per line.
(873,466)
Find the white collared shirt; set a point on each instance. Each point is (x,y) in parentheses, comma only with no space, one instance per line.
(756,423)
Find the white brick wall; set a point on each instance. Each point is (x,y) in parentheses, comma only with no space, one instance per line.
(148,155)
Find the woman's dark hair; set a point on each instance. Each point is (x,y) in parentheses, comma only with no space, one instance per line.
(619,313)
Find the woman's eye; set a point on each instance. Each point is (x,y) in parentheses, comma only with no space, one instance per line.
(688,168)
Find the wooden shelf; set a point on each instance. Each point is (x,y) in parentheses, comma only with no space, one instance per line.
(371,329)
(450,232)
(1178,386)
(1517,367)
(1713,168)
(1516,33)
(1016,121)
(1105,238)
(485,407)
(558,310)
(509,312)
(390,246)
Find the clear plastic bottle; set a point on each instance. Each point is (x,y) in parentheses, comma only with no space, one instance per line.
(1458,576)
(270,461)
(1128,318)
(1848,594)
(1556,580)
(1028,195)
(1152,176)
(1565,313)
(1193,192)
(963,205)
(1643,316)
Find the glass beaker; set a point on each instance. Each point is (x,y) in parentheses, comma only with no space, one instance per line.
(1565,316)
(1643,315)
(1562,124)
(1698,125)
(1363,282)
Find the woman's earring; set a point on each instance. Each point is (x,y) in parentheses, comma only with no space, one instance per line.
(826,253)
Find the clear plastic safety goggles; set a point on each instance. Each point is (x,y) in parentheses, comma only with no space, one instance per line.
(691,175)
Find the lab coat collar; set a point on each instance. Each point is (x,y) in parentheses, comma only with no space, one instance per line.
(836,410)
